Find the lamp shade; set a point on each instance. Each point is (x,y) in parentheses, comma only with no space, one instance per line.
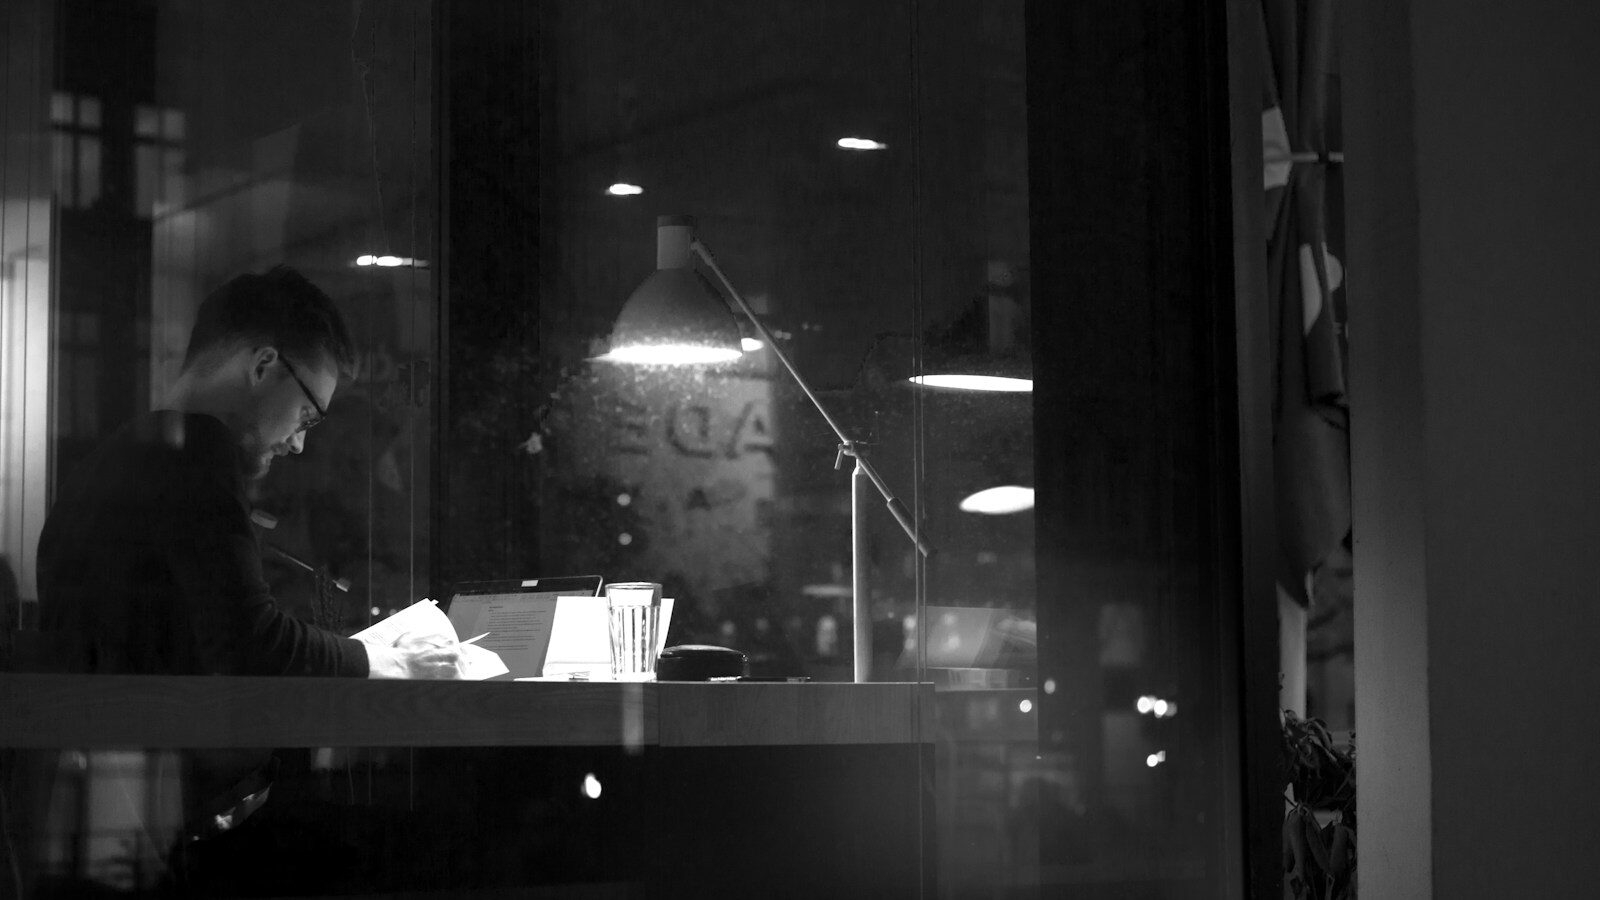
(674,317)
(980,349)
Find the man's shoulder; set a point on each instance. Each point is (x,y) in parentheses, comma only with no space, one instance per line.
(151,451)
(166,439)
(179,432)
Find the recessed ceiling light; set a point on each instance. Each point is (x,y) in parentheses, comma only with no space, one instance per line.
(390,262)
(861,143)
(623,189)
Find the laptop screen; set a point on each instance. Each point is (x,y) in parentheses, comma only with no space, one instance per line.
(517,615)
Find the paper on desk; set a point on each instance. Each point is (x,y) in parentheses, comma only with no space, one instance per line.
(423,619)
(480,663)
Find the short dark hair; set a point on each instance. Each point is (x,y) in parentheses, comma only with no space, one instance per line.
(280,307)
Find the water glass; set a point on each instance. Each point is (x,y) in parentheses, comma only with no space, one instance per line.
(635,618)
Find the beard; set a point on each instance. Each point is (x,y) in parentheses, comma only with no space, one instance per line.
(254,455)
(254,463)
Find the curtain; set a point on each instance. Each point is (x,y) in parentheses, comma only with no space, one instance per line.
(1305,211)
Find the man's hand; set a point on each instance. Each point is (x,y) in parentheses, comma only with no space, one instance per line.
(426,657)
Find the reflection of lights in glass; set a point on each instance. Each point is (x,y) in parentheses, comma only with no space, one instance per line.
(623,189)
(1156,759)
(376,611)
(999,501)
(671,354)
(624,539)
(975,383)
(860,143)
(624,499)
(750,345)
(591,786)
(1026,706)
(1049,685)
(1162,709)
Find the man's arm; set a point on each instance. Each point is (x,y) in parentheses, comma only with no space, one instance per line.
(239,629)
(235,625)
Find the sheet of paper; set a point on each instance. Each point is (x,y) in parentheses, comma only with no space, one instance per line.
(479,664)
(518,626)
(581,637)
(419,620)
(423,619)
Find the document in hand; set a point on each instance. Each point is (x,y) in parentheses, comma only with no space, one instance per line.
(423,619)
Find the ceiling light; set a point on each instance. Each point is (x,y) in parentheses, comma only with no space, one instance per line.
(670,354)
(674,317)
(975,383)
(390,262)
(860,143)
(999,501)
(623,189)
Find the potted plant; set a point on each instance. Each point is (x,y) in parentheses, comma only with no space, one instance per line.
(1319,825)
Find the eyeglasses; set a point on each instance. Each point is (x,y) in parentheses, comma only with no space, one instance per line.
(308,424)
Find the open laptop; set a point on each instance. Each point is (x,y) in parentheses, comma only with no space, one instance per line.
(553,627)
(519,617)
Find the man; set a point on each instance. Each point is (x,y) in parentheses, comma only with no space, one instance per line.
(148,563)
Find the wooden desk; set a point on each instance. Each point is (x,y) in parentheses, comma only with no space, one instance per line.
(125,711)
(709,789)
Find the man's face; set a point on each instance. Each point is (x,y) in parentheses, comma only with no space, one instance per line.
(284,396)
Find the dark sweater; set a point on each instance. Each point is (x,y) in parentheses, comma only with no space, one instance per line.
(148,565)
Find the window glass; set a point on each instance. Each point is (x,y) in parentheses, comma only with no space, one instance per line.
(848,187)
(194,143)
(859,174)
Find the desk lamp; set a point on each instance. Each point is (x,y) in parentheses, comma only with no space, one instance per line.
(677,318)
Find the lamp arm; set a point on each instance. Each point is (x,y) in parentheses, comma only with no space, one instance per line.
(705,254)
(846,444)
(896,508)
